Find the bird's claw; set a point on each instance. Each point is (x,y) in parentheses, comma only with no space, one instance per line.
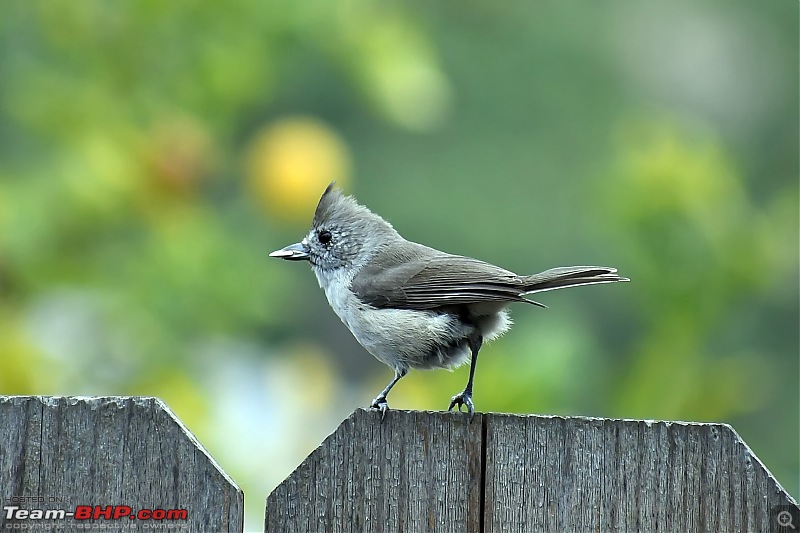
(381,405)
(462,398)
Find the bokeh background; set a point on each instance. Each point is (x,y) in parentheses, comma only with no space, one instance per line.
(153,153)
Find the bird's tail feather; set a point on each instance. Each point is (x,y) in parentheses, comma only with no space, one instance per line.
(558,278)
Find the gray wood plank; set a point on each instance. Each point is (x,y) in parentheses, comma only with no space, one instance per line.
(415,471)
(587,474)
(508,473)
(61,452)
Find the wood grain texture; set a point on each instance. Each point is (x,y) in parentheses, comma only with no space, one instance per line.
(507,473)
(415,471)
(589,474)
(60,452)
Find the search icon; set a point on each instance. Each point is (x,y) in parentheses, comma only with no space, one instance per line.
(785,519)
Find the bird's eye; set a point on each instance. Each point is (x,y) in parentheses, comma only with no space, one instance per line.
(324,236)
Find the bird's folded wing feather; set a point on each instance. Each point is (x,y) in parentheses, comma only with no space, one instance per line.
(436,281)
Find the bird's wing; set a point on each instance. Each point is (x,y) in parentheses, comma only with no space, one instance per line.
(428,281)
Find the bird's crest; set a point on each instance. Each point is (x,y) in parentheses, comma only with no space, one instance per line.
(335,206)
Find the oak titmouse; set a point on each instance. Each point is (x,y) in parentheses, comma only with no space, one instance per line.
(412,306)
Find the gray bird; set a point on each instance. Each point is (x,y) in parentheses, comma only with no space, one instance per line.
(412,306)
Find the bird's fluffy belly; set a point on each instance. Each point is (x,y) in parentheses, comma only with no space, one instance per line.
(406,339)
(413,339)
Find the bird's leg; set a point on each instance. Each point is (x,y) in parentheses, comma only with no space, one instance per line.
(380,402)
(465,397)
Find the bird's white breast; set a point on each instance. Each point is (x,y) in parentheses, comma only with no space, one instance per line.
(400,338)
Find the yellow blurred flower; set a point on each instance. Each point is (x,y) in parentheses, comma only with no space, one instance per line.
(289,164)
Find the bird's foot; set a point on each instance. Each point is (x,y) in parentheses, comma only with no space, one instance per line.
(381,405)
(462,398)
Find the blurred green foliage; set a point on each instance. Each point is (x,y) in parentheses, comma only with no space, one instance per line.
(152,153)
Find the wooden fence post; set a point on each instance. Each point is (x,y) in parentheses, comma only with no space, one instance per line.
(446,472)
(414,471)
(108,453)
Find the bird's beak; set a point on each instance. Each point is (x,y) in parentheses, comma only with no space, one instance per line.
(293,252)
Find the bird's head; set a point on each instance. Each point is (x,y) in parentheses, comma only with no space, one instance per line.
(343,234)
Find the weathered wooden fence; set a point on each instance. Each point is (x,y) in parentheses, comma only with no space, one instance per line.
(70,453)
(107,460)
